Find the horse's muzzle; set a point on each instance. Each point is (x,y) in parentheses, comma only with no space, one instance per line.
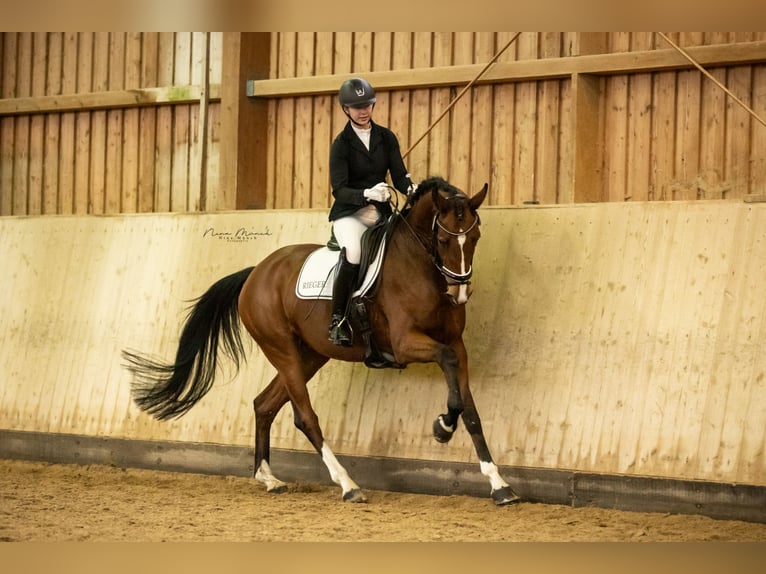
(459,293)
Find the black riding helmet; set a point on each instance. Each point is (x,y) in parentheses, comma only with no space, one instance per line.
(356,93)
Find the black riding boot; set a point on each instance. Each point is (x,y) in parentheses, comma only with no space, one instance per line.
(345,282)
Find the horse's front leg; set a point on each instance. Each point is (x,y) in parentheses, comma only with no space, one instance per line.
(456,373)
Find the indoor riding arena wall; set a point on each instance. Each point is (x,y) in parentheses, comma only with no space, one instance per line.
(616,355)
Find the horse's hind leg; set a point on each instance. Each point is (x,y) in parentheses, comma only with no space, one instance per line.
(266,406)
(295,365)
(307,422)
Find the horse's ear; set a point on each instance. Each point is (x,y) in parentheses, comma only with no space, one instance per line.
(479,198)
(441,202)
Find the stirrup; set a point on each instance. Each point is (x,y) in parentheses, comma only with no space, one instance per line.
(340,332)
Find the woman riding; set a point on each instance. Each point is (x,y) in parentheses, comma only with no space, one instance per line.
(360,158)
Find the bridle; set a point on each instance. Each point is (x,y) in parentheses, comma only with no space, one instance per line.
(451,276)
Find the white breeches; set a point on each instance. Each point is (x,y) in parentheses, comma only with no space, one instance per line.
(349,230)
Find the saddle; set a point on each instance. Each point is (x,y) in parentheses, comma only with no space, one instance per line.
(317,276)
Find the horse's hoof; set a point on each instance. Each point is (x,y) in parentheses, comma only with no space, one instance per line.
(441,431)
(355,495)
(504,496)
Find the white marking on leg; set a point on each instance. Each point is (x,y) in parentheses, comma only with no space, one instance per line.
(264,475)
(449,429)
(489,469)
(338,474)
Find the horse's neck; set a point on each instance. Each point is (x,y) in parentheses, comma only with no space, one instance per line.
(412,239)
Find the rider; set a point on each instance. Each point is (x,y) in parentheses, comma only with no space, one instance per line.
(360,158)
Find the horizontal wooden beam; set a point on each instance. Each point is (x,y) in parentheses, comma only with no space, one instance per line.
(106,100)
(519,71)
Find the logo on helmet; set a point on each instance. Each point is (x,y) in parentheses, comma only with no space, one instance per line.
(359,91)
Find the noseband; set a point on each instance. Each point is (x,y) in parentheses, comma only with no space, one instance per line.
(451,276)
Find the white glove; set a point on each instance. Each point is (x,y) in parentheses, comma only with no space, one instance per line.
(378,192)
(412,188)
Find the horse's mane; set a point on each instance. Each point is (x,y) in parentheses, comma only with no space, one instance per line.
(428,184)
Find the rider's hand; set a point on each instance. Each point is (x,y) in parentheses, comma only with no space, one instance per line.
(379,192)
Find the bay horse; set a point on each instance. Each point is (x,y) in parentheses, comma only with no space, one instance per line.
(416,315)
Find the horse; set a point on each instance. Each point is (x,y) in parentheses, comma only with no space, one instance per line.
(415,315)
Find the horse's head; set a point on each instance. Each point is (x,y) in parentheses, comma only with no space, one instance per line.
(455,229)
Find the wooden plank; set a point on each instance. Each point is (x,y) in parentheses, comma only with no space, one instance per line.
(382,44)
(147,125)
(712,136)
(402,110)
(303,185)
(738,149)
(321,191)
(483,116)
(567,151)
(7,131)
(164,125)
(285,119)
(662,172)
(461,114)
(523,70)
(104,100)
(131,127)
(198,165)
(180,199)
(216,59)
(757,183)
(687,134)
(22,87)
(420,112)
(51,150)
(7,124)
(68,126)
(114,128)
(640,114)
(547,174)
(343,67)
(101,162)
(439,143)
(502,174)
(525,121)
(82,185)
(39,45)
(10,54)
(616,126)
(362,52)
(616,133)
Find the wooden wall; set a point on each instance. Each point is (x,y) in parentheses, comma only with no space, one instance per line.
(73,138)
(610,338)
(119,123)
(607,132)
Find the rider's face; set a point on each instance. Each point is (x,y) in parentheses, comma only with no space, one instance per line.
(360,116)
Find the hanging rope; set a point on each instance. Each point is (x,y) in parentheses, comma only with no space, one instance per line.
(462,92)
(707,74)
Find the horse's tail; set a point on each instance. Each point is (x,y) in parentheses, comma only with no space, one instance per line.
(170,390)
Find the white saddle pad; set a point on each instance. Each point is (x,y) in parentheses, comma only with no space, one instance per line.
(317,275)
